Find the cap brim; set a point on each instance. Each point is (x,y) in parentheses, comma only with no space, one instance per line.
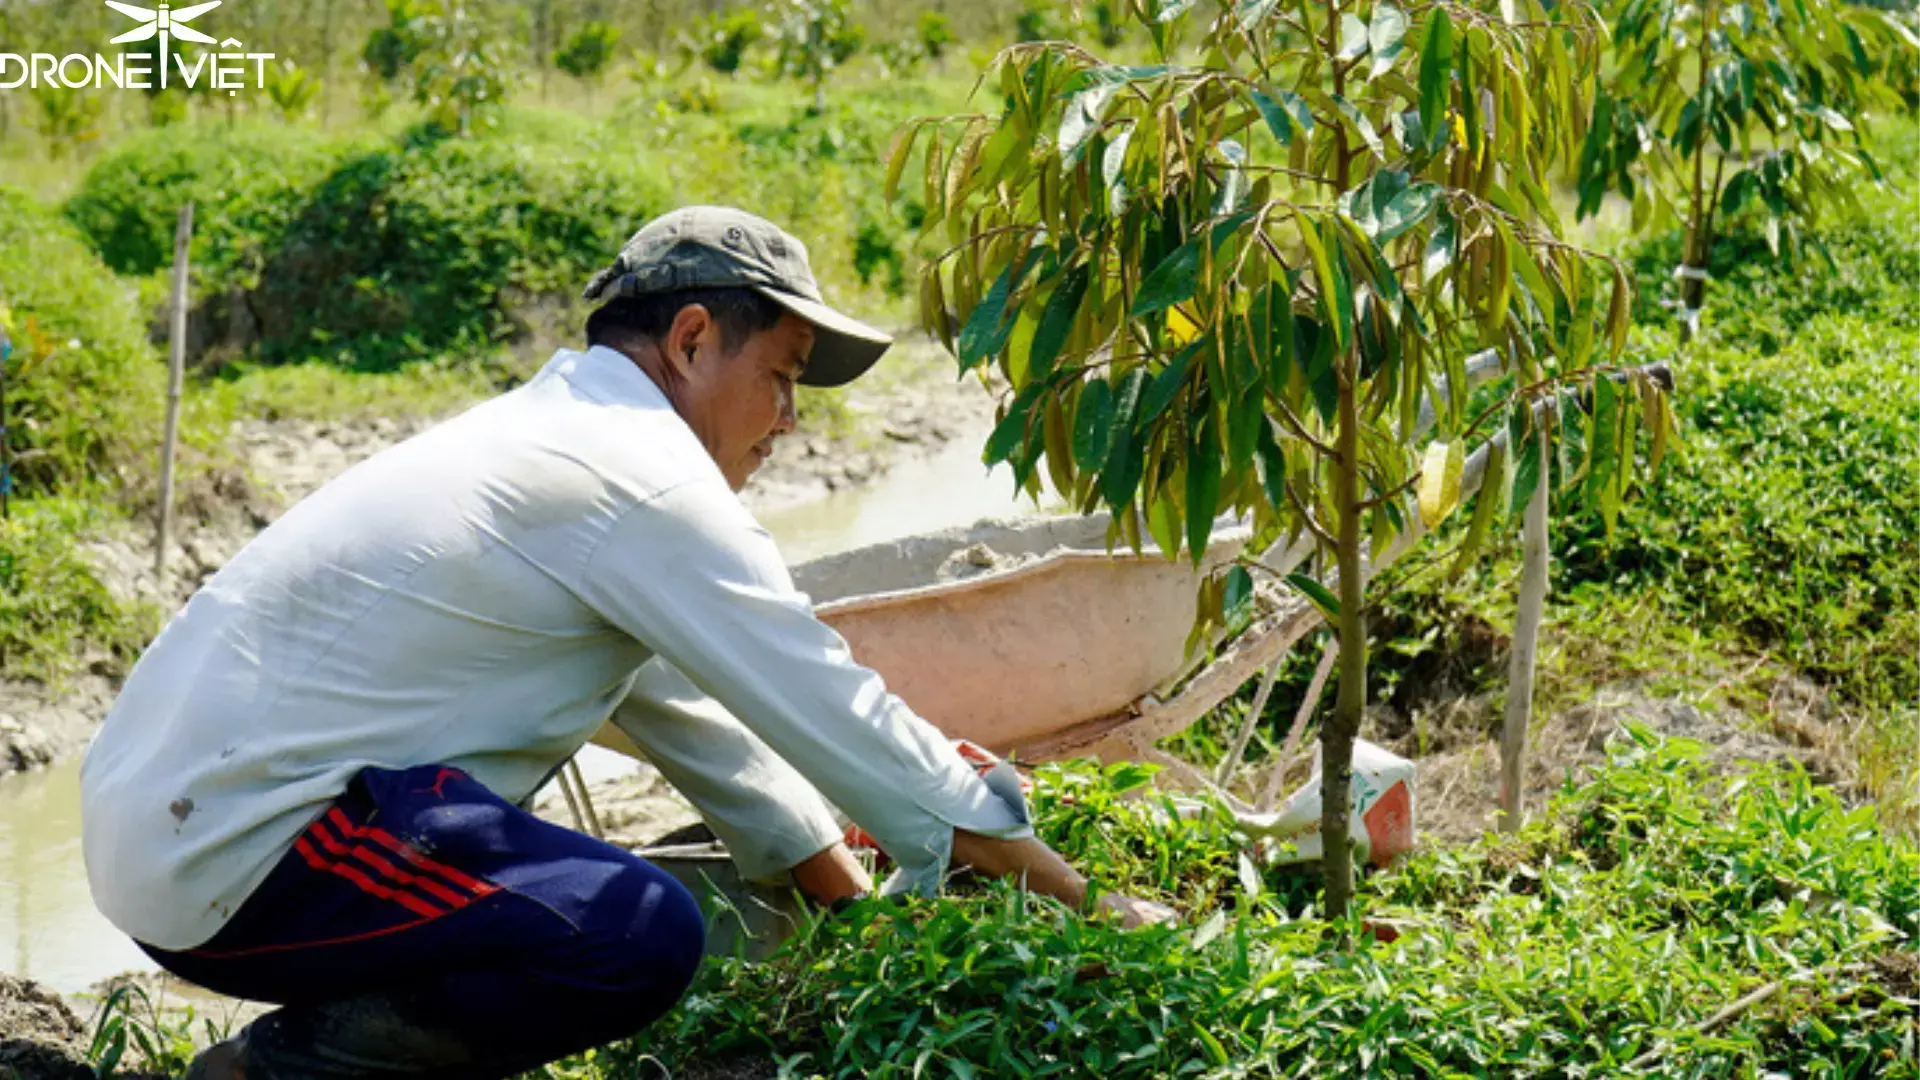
(843,348)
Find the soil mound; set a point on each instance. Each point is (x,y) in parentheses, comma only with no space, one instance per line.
(40,1038)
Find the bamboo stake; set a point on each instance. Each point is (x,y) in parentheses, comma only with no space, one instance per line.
(6,440)
(1230,764)
(573,803)
(1713,1023)
(1526,636)
(176,371)
(586,800)
(1271,794)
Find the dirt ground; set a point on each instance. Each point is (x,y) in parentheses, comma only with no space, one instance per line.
(1459,758)
(41,1038)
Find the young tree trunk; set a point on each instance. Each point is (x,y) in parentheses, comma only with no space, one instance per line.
(1336,738)
(1693,287)
(1526,634)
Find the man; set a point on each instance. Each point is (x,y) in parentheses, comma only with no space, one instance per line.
(308,791)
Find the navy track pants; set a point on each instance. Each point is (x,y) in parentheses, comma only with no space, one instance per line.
(424,926)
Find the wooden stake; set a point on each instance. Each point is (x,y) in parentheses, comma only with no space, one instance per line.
(1526,637)
(176,372)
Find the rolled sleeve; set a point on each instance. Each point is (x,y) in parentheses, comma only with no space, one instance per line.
(690,574)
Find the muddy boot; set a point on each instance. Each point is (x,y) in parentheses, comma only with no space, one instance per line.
(378,1035)
(223,1061)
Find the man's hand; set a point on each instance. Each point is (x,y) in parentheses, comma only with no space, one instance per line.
(1047,873)
(833,874)
(1134,912)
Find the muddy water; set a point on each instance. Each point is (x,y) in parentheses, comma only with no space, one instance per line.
(49,930)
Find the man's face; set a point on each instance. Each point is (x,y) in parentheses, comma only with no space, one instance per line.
(738,404)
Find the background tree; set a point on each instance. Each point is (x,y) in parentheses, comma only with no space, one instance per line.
(722,40)
(1228,285)
(446,55)
(1709,105)
(815,37)
(292,89)
(587,52)
(935,34)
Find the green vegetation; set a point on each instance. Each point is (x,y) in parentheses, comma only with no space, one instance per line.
(1650,899)
(378,263)
(1686,82)
(1217,289)
(83,396)
(247,183)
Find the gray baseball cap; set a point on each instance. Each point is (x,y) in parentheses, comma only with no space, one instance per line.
(713,247)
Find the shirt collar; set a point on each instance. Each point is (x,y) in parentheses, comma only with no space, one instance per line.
(610,376)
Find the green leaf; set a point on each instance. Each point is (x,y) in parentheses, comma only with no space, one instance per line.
(1239,592)
(1081,121)
(1386,205)
(1353,37)
(1526,472)
(1251,13)
(1168,381)
(1384,35)
(1436,68)
(989,326)
(1439,254)
(1175,278)
(1322,380)
(1170,10)
(1233,185)
(1272,464)
(897,158)
(1125,456)
(1361,124)
(1440,480)
(1284,111)
(1010,433)
(1056,322)
(1484,507)
(1111,164)
(1203,485)
(1092,422)
(1317,594)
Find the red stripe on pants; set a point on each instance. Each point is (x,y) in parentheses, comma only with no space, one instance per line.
(368,885)
(407,852)
(434,889)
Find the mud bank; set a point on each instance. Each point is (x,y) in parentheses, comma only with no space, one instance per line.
(908,408)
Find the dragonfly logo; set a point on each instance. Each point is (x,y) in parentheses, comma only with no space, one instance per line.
(165,25)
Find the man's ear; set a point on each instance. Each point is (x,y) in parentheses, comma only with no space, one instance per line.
(693,332)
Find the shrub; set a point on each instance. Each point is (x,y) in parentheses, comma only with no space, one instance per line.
(84,389)
(722,40)
(411,250)
(246,181)
(53,605)
(587,51)
(1790,515)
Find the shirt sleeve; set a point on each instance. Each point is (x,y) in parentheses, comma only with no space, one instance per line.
(767,814)
(690,574)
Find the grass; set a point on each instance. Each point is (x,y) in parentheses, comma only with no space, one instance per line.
(1645,903)
(1611,938)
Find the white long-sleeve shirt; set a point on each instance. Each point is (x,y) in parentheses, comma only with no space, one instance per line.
(485,595)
